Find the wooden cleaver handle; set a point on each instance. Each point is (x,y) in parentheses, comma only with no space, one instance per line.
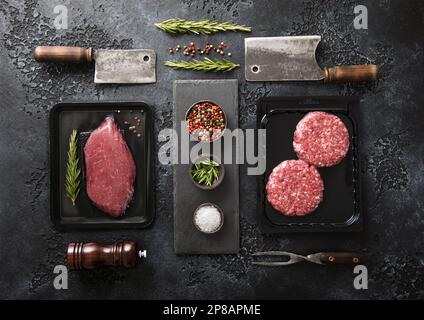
(349,258)
(356,73)
(63,54)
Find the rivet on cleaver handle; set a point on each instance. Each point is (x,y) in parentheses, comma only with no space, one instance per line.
(349,258)
(293,59)
(59,54)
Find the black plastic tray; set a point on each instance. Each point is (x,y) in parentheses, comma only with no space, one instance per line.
(340,209)
(86,117)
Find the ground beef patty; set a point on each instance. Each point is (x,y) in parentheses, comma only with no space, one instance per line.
(294,188)
(321,139)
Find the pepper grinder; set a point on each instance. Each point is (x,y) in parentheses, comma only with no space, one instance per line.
(92,255)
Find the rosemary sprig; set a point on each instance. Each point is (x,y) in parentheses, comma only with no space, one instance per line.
(73,172)
(205,65)
(203,26)
(206,172)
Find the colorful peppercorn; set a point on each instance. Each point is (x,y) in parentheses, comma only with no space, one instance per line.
(191,49)
(206,121)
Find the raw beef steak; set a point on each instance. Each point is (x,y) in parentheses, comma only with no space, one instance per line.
(110,169)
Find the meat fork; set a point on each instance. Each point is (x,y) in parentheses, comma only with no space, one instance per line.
(324,258)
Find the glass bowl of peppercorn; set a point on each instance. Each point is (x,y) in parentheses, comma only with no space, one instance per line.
(206,121)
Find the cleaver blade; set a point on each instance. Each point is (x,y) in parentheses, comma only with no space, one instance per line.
(111,66)
(282,59)
(293,59)
(125,66)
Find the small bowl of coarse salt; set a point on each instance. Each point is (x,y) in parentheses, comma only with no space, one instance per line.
(208,218)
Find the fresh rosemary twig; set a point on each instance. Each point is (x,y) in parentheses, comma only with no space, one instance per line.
(205,65)
(203,26)
(206,172)
(73,172)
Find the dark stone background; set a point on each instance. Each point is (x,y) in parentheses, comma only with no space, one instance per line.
(392,115)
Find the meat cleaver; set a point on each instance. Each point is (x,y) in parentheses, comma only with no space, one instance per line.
(112,66)
(293,59)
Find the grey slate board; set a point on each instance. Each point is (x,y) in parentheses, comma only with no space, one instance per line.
(187,197)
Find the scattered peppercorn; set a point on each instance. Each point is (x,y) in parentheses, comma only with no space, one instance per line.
(134,122)
(191,49)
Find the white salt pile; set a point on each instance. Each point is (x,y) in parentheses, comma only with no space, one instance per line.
(208,219)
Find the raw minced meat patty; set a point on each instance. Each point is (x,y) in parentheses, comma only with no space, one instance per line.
(321,139)
(294,188)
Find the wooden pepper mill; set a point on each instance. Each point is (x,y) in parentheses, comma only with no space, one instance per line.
(92,255)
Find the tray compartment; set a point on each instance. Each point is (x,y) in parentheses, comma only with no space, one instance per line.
(85,117)
(340,209)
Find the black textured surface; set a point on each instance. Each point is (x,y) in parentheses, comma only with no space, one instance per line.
(392,138)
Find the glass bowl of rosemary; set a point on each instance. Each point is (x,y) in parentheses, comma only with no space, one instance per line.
(206,121)
(206,172)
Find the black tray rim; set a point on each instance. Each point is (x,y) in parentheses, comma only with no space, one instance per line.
(119,224)
(356,225)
